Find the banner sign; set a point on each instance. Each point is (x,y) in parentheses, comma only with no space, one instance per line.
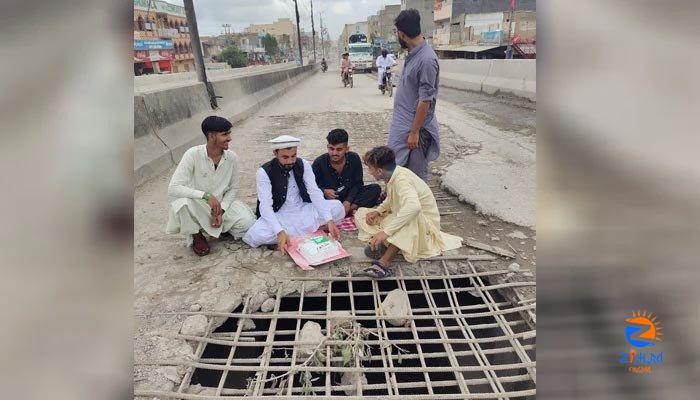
(155,44)
(159,7)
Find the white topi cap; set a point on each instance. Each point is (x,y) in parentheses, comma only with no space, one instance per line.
(284,141)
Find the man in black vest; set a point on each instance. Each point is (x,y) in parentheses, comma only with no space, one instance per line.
(289,201)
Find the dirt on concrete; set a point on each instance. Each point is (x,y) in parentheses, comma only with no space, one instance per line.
(169,279)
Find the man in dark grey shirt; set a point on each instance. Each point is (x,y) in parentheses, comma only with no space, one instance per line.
(413,134)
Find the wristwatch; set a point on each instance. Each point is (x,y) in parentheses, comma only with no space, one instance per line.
(206,196)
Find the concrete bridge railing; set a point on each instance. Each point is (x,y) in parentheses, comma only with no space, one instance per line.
(515,77)
(167,121)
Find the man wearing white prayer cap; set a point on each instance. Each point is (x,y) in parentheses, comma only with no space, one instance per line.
(289,201)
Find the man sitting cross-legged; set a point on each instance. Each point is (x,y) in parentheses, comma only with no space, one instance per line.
(289,202)
(203,189)
(407,221)
(339,175)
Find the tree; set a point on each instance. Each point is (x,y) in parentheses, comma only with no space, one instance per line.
(234,57)
(271,46)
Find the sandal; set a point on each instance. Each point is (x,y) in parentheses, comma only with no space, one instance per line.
(200,245)
(378,271)
(375,254)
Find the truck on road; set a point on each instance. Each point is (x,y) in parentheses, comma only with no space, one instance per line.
(360,52)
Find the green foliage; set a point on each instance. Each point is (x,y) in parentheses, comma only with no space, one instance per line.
(347,355)
(234,57)
(354,351)
(270,44)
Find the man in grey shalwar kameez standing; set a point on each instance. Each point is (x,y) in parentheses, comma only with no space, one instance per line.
(413,134)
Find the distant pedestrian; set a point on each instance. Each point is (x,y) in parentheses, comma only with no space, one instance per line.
(413,133)
(509,53)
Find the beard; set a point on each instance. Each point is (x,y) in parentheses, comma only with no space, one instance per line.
(402,43)
(286,167)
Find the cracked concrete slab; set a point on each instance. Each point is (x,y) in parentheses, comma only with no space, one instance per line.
(170,279)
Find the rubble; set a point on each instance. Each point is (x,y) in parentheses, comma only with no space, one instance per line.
(195,307)
(340,318)
(517,235)
(171,374)
(396,304)
(247,324)
(194,325)
(310,332)
(351,378)
(268,305)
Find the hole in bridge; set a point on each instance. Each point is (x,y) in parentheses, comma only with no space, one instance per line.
(429,299)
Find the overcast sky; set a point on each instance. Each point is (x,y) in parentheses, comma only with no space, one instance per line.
(241,13)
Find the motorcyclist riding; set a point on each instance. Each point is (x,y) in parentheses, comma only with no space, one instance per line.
(324,64)
(384,61)
(345,65)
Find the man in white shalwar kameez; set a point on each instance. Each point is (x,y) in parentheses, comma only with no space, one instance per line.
(289,201)
(203,190)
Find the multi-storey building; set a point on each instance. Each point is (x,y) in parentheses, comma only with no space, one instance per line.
(483,28)
(284,30)
(387,15)
(161,38)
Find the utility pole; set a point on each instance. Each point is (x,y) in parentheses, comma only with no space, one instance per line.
(509,48)
(296,10)
(197,51)
(313,30)
(323,48)
(227,31)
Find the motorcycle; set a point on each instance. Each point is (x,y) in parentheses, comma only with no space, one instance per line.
(347,78)
(324,67)
(387,85)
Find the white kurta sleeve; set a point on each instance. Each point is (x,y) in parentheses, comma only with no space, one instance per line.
(315,193)
(183,176)
(264,187)
(232,189)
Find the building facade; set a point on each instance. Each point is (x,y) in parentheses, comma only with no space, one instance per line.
(283,26)
(373,27)
(425,9)
(387,15)
(485,27)
(161,38)
(211,47)
(284,30)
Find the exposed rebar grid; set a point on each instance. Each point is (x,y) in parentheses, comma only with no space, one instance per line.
(461,340)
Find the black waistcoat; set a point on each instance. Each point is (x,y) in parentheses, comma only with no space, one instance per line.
(279,180)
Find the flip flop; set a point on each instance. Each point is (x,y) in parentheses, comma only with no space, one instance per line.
(378,271)
(374,254)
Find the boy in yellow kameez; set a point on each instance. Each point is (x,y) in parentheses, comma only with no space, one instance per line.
(407,221)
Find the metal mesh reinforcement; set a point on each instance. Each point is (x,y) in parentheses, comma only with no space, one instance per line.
(462,340)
